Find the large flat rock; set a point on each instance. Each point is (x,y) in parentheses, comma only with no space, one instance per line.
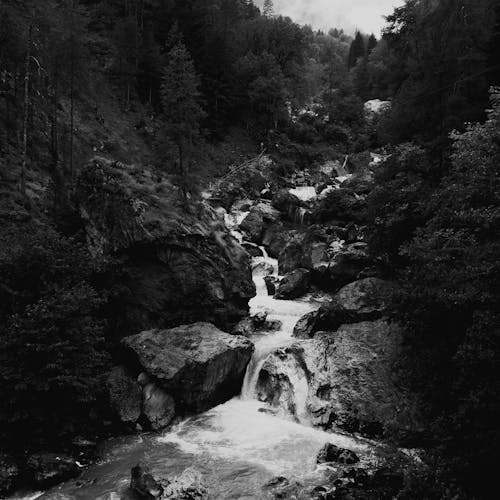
(198,364)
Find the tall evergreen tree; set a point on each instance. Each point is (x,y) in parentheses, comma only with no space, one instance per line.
(371,44)
(357,50)
(268,8)
(182,111)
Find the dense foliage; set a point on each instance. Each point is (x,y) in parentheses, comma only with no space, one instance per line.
(435,214)
(52,347)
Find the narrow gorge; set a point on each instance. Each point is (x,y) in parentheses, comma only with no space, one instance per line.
(309,367)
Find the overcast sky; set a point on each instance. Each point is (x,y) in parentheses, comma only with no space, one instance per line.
(365,15)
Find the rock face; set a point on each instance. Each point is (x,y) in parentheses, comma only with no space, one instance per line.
(198,364)
(332,453)
(351,377)
(293,285)
(178,267)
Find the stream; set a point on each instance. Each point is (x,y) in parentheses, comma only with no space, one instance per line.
(237,446)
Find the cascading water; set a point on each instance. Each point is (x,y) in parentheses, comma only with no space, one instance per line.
(237,446)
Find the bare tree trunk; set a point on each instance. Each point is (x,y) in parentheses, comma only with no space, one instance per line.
(27,82)
(72,96)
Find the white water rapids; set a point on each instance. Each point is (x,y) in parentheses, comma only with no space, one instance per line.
(237,446)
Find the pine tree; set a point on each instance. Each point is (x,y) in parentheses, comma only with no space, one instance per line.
(372,43)
(268,8)
(182,111)
(357,50)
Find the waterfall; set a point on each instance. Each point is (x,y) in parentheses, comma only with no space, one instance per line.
(287,312)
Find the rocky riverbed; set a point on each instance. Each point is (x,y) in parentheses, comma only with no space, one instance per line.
(288,396)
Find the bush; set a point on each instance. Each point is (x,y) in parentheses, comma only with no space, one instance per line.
(52,350)
(51,359)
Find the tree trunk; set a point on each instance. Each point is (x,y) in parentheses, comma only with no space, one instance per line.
(27,82)
(72,97)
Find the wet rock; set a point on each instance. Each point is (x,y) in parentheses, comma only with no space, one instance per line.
(332,453)
(245,327)
(144,484)
(271,284)
(311,323)
(362,300)
(252,249)
(349,264)
(339,205)
(254,324)
(282,487)
(263,268)
(125,395)
(286,202)
(260,319)
(9,474)
(188,486)
(293,285)
(255,223)
(366,298)
(158,406)
(291,255)
(198,364)
(125,213)
(276,238)
(48,469)
(352,379)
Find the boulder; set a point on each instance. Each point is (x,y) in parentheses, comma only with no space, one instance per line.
(245,327)
(9,474)
(276,237)
(158,406)
(291,256)
(125,395)
(350,263)
(352,379)
(286,202)
(260,217)
(188,486)
(362,300)
(282,487)
(252,249)
(339,205)
(366,298)
(198,364)
(255,324)
(293,285)
(271,284)
(48,469)
(263,268)
(180,267)
(332,453)
(144,484)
